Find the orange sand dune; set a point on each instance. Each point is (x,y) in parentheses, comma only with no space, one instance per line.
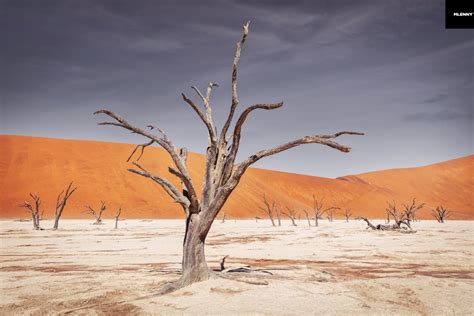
(45,166)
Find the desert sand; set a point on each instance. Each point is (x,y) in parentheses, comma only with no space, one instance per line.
(45,166)
(338,268)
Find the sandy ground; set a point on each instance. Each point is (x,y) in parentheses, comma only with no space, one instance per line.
(337,268)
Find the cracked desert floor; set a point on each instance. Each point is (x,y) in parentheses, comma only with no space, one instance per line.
(337,268)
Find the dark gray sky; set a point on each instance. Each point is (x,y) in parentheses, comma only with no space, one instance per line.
(387,68)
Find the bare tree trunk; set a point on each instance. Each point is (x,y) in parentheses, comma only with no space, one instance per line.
(278,214)
(307,217)
(316,223)
(194,264)
(56,221)
(61,204)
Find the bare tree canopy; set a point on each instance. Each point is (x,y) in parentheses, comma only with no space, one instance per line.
(318,209)
(347,214)
(61,202)
(440,213)
(97,214)
(34,210)
(222,172)
(330,212)
(410,210)
(291,214)
(270,209)
(400,217)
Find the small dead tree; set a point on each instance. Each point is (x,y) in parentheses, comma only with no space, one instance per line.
(440,213)
(291,214)
(278,214)
(61,202)
(223,218)
(409,210)
(307,217)
(34,210)
(117,216)
(222,172)
(270,209)
(347,214)
(330,211)
(400,217)
(318,209)
(97,215)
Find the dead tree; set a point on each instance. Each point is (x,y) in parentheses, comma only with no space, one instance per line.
(388,216)
(291,214)
(400,217)
(223,218)
(347,214)
(307,217)
(34,210)
(318,209)
(61,202)
(411,209)
(440,213)
(117,216)
(330,212)
(393,227)
(278,214)
(222,173)
(270,209)
(97,215)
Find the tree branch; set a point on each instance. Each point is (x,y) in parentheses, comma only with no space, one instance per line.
(204,119)
(316,139)
(237,134)
(143,149)
(164,142)
(172,191)
(235,100)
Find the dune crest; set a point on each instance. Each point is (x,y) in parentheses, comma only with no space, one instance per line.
(45,166)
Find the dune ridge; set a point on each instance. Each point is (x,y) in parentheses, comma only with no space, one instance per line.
(45,166)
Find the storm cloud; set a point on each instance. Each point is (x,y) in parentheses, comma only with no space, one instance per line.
(387,68)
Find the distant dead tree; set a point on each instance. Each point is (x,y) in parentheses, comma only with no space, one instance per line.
(222,172)
(440,213)
(400,217)
(330,212)
(96,214)
(223,218)
(347,214)
(318,209)
(388,216)
(270,209)
(278,214)
(117,216)
(34,210)
(395,227)
(61,202)
(307,217)
(410,210)
(291,214)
